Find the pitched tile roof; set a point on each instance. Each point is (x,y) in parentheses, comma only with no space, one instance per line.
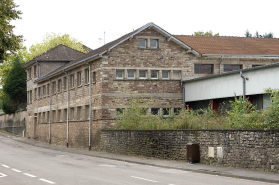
(60,52)
(231,45)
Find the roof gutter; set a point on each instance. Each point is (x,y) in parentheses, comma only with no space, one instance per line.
(240,56)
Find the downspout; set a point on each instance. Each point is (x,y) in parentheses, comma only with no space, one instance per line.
(222,57)
(67,84)
(89,76)
(243,78)
(49,120)
(183,95)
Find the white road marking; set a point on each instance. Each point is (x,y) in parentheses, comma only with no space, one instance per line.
(5,166)
(106,165)
(50,182)
(29,175)
(3,175)
(16,170)
(143,179)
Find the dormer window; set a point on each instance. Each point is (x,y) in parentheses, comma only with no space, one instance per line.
(142,43)
(153,43)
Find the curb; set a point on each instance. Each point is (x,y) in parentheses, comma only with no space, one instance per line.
(149,164)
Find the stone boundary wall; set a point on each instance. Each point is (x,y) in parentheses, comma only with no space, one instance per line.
(14,123)
(255,149)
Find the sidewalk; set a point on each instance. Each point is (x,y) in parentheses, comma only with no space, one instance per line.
(179,165)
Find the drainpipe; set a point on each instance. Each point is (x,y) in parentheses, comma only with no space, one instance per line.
(222,57)
(183,95)
(243,78)
(67,84)
(49,112)
(89,140)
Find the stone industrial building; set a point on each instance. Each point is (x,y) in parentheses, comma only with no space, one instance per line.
(71,94)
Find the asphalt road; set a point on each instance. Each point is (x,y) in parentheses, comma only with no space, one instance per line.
(22,164)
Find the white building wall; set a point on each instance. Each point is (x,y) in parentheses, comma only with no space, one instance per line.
(232,84)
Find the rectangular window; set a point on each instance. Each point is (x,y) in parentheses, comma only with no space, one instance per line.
(142,74)
(165,74)
(35,94)
(59,115)
(39,118)
(86,73)
(176,111)
(119,74)
(35,70)
(30,96)
(142,43)
(155,111)
(94,77)
(35,118)
(94,114)
(53,116)
(48,89)
(166,111)
(131,74)
(176,75)
(65,114)
(72,113)
(232,67)
(72,81)
(87,113)
(47,116)
(44,117)
(65,83)
(39,92)
(79,113)
(203,69)
(44,90)
(59,86)
(154,74)
(153,43)
(79,82)
(29,72)
(53,87)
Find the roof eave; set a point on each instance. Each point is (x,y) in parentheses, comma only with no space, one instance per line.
(239,56)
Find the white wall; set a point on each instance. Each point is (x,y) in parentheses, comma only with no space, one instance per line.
(227,85)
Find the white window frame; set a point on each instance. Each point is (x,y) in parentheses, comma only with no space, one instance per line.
(168,74)
(157,45)
(145,43)
(145,74)
(157,74)
(118,71)
(133,71)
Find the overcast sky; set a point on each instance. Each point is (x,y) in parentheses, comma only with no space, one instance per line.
(87,20)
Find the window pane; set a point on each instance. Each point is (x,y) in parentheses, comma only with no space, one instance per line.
(154,74)
(153,43)
(165,74)
(207,68)
(176,111)
(198,68)
(227,67)
(119,74)
(176,74)
(166,112)
(142,43)
(155,111)
(142,74)
(236,67)
(131,74)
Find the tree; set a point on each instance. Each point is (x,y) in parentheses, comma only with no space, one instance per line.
(208,33)
(14,88)
(9,42)
(257,35)
(52,40)
(247,33)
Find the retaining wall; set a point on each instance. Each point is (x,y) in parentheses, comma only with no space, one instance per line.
(257,149)
(14,123)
